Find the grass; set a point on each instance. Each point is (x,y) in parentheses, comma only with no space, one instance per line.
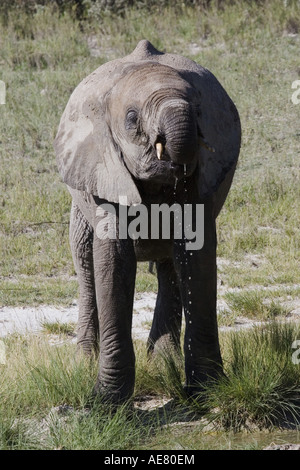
(262,387)
(258,304)
(254,304)
(45,391)
(37,290)
(58,328)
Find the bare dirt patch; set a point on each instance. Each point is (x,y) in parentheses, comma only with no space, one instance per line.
(23,320)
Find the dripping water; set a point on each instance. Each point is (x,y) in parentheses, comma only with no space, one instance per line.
(188,314)
(175,186)
(184,182)
(189,277)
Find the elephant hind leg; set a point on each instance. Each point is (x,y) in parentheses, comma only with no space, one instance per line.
(166,325)
(81,242)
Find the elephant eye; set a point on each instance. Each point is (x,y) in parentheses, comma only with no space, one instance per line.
(131,119)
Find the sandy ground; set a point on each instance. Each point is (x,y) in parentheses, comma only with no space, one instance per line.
(31,319)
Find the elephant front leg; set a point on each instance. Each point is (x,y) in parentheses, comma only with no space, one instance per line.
(197,274)
(115,270)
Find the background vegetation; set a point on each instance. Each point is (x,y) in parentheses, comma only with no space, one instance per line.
(46,48)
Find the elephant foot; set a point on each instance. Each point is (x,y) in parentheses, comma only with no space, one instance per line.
(113,394)
(110,399)
(198,389)
(165,346)
(111,403)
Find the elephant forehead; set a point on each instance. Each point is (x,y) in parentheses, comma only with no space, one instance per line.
(147,77)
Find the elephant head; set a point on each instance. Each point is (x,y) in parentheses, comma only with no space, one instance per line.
(147,117)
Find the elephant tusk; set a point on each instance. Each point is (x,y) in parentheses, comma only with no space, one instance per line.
(159,150)
(204,144)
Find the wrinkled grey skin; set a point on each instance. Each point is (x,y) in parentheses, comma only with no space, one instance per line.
(106,148)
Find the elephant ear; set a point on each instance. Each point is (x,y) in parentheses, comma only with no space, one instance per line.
(219,130)
(218,119)
(87,157)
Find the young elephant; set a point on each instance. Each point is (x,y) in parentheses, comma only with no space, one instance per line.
(147,129)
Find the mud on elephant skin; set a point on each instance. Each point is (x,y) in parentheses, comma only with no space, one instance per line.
(149,128)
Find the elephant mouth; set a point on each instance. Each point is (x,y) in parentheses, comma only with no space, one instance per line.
(173,171)
(163,176)
(182,171)
(159,169)
(179,170)
(168,172)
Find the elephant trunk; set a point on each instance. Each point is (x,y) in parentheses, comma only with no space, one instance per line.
(180,132)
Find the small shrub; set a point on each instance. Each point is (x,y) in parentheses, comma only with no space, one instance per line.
(262,388)
(58,328)
(254,304)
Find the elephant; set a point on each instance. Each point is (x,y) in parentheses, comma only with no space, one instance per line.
(148,129)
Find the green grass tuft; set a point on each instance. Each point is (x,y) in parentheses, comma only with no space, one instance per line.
(58,328)
(262,388)
(255,304)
